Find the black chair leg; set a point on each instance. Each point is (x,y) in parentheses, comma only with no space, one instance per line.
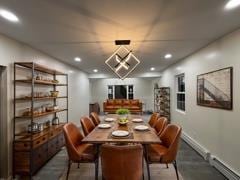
(78,165)
(96,170)
(69,166)
(167,165)
(175,166)
(146,158)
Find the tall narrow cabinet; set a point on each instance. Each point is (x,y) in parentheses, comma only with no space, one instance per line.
(37,137)
(162,101)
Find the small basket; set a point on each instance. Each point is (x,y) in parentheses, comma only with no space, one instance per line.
(54,93)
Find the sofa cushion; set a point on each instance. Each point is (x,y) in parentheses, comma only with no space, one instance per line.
(118,102)
(134,102)
(134,107)
(110,102)
(126,102)
(117,107)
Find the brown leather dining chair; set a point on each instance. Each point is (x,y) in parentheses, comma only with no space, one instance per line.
(78,152)
(160,125)
(95,118)
(166,152)
(153,119)
(87,125)
(122,162)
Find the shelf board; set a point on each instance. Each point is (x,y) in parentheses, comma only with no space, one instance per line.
(26,136)
(40,115)
(39,99)
(39,82)
(39,68)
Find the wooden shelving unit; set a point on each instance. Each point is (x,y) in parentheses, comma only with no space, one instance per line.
(31,150)
(162,101)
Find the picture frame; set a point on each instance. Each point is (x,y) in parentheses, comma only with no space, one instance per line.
(215,89)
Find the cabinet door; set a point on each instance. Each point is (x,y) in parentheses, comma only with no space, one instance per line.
(39,156)
(61,140)
(52,146)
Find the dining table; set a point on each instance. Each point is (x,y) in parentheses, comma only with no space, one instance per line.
(110,123)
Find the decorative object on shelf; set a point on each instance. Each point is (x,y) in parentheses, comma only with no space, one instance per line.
(162,101)
(33,127)
(122,61)
(55,121)
(33,147)
(214,89)
(54,93)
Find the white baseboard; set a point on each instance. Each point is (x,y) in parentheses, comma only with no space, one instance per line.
(196,146)
(225,169)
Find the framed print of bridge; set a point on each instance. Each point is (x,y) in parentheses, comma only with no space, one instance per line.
(214,89)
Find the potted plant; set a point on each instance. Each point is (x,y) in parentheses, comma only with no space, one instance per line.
(123,115)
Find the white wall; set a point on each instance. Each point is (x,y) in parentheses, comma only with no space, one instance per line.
(11,51)
(143,89)
(216,130)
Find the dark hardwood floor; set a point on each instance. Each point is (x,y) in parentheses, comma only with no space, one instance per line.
(193,167)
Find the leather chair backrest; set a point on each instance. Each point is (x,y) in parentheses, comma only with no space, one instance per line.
(87,125)
(160,125)
(170,138)
(122,162)
(73,137)
(95,118)
(153,119)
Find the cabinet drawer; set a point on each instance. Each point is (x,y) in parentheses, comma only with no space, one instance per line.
(39,141)
(22,146)
(55,132)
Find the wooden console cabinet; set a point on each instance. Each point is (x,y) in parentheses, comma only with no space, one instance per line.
(45,146)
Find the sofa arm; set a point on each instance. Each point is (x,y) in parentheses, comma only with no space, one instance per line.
(140,105)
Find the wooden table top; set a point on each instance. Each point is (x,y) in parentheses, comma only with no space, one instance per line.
(100,136)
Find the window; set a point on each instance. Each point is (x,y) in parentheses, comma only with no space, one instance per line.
(120,92)
(180,84)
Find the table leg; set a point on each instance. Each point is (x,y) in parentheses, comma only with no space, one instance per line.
(97,162)
(146,159)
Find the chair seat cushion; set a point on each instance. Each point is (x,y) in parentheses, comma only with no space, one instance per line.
(87,152)
(155,152)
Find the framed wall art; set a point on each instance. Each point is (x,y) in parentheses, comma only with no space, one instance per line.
(214,89)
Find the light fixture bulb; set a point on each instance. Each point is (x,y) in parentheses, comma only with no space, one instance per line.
(232,4)
(8,15)
(77,59)
(152,69)
(95,70)
(168,56)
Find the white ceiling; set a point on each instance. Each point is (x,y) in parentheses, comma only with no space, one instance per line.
(68,28)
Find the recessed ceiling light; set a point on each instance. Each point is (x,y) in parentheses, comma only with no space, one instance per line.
(179,68)
(168,56)
(77,59)
(152,69)
(95,70)
(8,15)
(232,4)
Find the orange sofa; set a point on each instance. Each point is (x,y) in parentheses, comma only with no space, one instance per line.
(133,105)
